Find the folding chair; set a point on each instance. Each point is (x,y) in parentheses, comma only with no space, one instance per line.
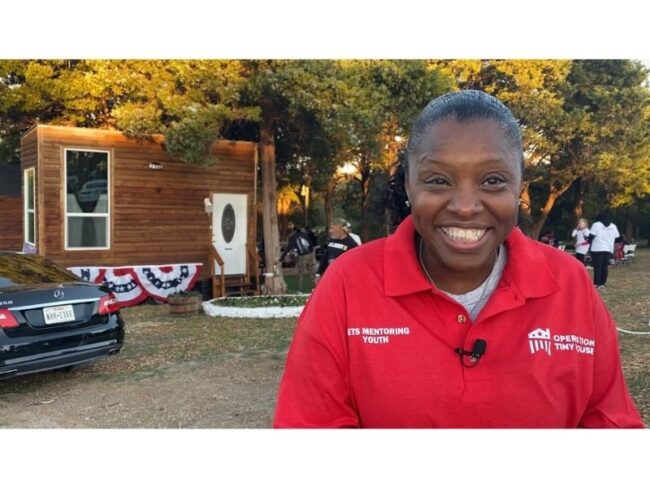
(628,252)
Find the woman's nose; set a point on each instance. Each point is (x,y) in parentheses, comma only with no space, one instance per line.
(465,202)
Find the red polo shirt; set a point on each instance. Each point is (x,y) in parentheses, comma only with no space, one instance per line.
(375,347)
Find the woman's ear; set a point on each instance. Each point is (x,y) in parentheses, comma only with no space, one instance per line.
(407,186)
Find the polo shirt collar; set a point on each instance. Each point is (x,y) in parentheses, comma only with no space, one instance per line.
(527,270)
(402,271)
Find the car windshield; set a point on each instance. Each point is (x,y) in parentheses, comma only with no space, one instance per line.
(30,269)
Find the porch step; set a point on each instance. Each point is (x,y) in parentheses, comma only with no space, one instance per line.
(235,286)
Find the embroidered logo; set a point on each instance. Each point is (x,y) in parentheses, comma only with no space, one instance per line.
(540,340)
(378,335)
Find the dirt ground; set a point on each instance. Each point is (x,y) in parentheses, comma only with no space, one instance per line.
(155,383)
(237,392)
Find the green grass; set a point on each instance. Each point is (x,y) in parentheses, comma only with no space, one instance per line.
(155,338)
(292,283)
(627,296)
(262,301)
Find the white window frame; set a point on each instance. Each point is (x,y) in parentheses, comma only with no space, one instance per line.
(26,209)
(86,215)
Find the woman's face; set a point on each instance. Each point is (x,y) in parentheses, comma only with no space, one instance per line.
(464,187)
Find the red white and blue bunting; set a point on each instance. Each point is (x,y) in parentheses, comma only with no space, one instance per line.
(94,275)
(124,285)
(134,284)
(162,281)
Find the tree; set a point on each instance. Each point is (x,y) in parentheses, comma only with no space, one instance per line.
(187,101)
(307,155)
(39,91)
(619,102)
(604,133)
(288,93)
(382,98)
(580,119)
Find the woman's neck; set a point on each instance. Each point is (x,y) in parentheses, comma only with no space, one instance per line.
(452,281)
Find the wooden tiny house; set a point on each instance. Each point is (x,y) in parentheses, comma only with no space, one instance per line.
(104,199)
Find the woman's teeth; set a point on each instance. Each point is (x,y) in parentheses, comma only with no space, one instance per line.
(463,235)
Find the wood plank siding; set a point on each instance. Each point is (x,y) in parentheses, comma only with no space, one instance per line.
(11,206)
(11,223)
(157,217)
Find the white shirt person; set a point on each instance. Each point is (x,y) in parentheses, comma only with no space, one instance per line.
(605,233)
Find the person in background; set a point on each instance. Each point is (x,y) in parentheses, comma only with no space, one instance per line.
(348,228)
(339,241)
(300,243)
(457,319)
(581,235)
(548,238)
(313,239)
(312,236)
(603,234)
(619,248)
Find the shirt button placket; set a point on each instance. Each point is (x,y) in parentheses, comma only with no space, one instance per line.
(461,319)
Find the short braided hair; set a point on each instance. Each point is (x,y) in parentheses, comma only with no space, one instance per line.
(464,106)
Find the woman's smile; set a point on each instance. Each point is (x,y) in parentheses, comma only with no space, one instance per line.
(462,239)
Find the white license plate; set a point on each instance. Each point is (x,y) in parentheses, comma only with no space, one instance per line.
(56,315)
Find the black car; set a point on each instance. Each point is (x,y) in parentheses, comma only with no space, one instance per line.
(50,319)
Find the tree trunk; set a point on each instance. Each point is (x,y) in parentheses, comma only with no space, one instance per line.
(275,284)
(364,229)
(631,223)
(364,182)
(629,230)
(328,202)
(578,208)
(553,195)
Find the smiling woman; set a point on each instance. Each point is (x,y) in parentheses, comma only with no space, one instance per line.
(464,190)
(478,305)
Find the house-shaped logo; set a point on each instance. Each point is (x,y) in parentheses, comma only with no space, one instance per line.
(540,340)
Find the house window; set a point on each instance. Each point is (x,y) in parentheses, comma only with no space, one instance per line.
(29,192)
(87,204)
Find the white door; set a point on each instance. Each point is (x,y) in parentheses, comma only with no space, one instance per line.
(229,229)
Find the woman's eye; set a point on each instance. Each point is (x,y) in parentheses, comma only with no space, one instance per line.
(436,180)
(494,181)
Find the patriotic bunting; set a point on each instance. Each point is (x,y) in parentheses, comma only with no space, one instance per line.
(124,285)
(94,275)
(132,285)
(162,281)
